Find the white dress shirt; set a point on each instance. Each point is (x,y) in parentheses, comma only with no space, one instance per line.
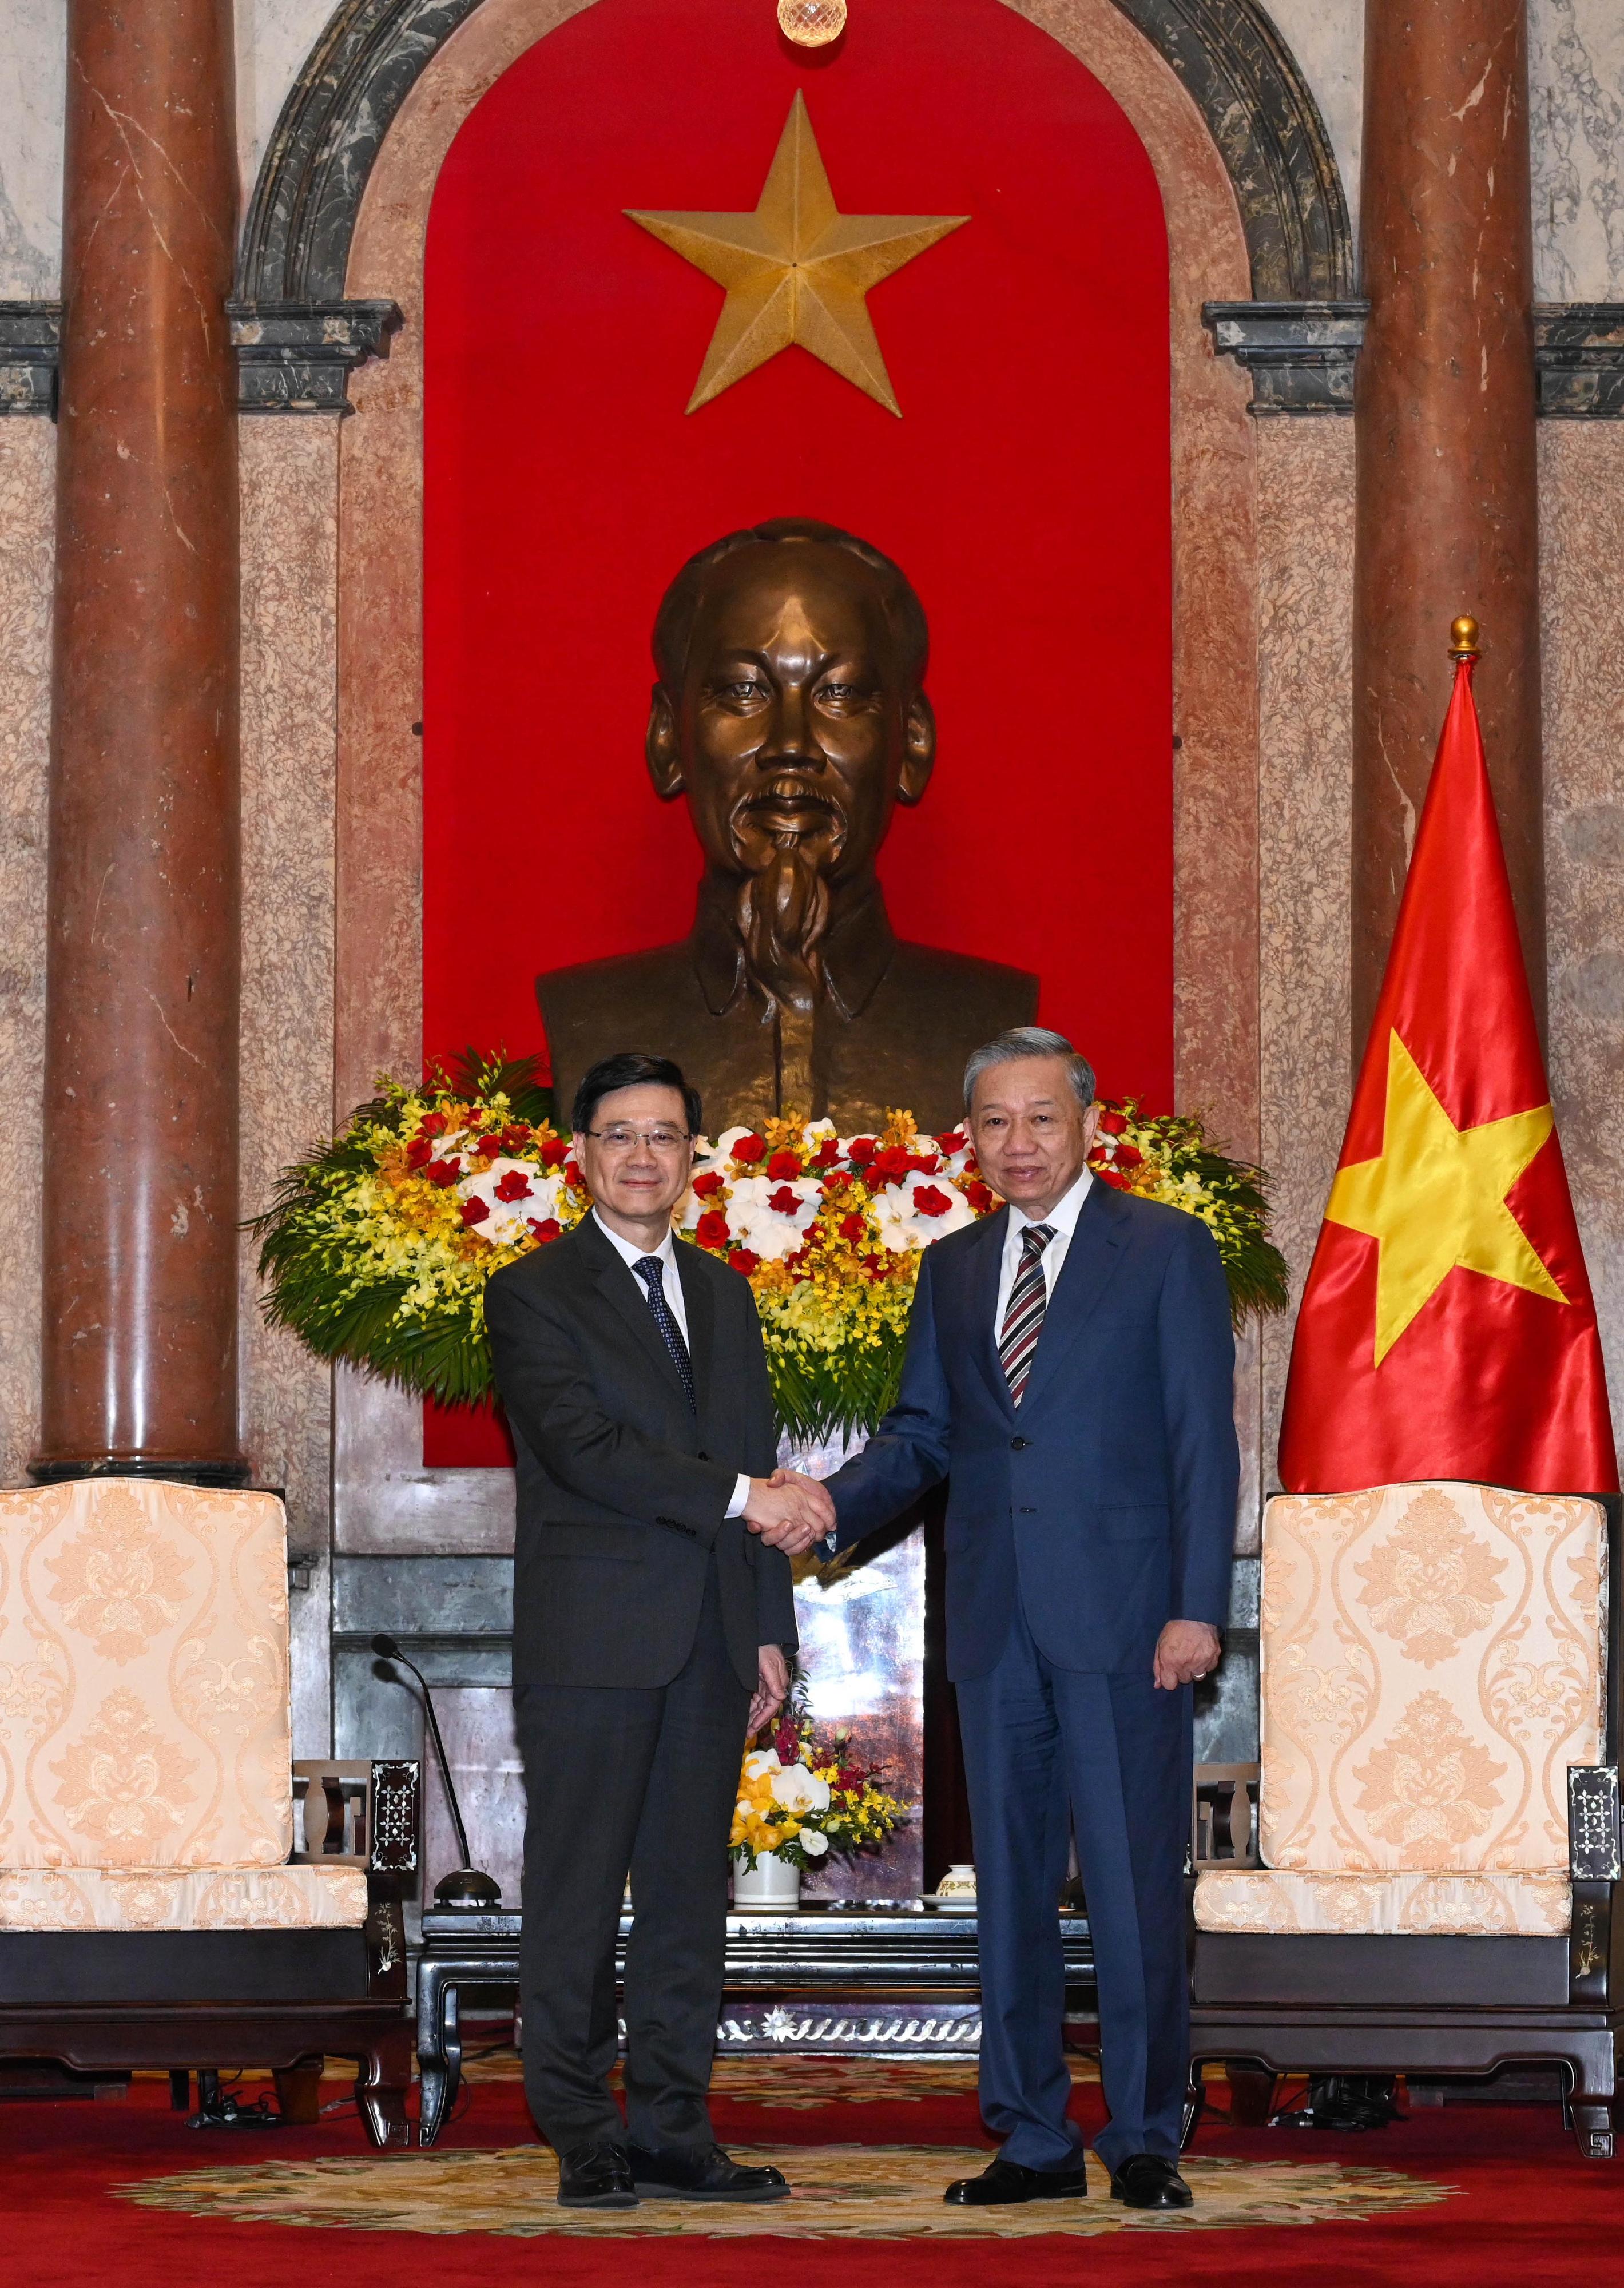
(1062,1220)
(672,1286)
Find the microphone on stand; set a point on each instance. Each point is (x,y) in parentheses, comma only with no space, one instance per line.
(467,1890)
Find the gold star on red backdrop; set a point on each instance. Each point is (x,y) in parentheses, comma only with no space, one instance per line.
(796,270)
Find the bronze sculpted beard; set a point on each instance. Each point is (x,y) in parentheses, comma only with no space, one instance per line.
(782,913)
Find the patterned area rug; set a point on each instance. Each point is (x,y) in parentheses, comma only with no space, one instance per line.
(794,2082)
(841,2192)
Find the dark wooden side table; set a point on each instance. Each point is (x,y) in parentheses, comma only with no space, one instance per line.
(829,1982)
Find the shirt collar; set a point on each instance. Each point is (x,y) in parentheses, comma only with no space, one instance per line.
(856,954)
(632,1256)
(1061,1218)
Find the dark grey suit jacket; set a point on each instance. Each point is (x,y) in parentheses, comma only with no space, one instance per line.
(622,1494)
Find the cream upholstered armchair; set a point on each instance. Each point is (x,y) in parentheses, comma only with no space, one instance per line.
(1439,1812)
(153,1911)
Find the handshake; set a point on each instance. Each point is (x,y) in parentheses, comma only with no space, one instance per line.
(789,1511)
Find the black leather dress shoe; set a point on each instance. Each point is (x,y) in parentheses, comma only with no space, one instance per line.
(595,2177)
(700,2173)
(1004,2180)
(1147,2181)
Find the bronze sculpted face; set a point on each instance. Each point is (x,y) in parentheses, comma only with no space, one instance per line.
(793,720)
(789,712)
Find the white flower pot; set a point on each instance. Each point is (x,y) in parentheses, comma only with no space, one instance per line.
(771,1886)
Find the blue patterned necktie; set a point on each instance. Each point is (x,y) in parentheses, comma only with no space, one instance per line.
(1029,1299)
(652,1272)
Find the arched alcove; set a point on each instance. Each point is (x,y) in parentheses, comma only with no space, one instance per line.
(1239,73)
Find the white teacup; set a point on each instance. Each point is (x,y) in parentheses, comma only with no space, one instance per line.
(958,1883)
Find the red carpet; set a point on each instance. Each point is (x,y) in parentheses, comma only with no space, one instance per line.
(1522,2206)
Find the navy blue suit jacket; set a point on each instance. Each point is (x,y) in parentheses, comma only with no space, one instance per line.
(1106,1502)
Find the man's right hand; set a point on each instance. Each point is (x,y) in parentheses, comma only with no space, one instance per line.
(789,1511)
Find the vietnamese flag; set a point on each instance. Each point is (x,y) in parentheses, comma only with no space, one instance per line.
(1447,1329)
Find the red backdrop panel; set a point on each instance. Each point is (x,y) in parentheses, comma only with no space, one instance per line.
(1025,491)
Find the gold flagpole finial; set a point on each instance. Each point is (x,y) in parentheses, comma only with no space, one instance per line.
(1463,638)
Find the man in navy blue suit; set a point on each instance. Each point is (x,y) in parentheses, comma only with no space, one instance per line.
(1070,1370)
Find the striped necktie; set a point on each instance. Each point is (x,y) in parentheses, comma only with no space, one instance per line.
(1024,1313)
(653,1274)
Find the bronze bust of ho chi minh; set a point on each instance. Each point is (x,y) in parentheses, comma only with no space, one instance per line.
(790,709)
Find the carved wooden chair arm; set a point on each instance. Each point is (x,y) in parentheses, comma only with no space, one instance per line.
(1595,1867)
(358,1812)
(1223,1824)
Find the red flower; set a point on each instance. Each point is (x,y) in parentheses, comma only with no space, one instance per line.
(515,1185)
(514,1134)
(1113,1122)
(852,1777)
(743,1259)
(706,1187)
(712,1229)
(980,1195)
(797,1262)
(828,1152)
(863,1149)
(443,1173)
(545,1227)
(554,1152)
(875,1265)
(420,1152)
(786,1740)
(930,1200)
(1110,1176)
(491,1143)
(785,1163)
(433,1124)
(752,1149)
(893,1164)
(853,1228)
(784,1201)
(1129,1155)
(950,1141)
(573,1176)
(474,1211)
(924,1164)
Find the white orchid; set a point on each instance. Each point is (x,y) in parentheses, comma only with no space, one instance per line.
(814,1842)
(800,1791)
(904,1224)
(773,1232)
(508,1221)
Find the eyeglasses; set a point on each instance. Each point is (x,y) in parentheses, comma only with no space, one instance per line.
(657,1140)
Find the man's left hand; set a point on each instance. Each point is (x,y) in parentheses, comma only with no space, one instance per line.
(772,1683)
(1185,1650)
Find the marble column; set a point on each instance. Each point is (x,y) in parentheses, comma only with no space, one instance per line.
(140,1156)
(1446,515)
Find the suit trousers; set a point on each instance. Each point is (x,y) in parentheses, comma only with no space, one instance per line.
(1051,1751)
(641,1782)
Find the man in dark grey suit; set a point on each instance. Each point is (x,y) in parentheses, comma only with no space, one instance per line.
(650,1630)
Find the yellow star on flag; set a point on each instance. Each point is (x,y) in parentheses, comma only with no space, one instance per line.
(1435,1199)
(796,270)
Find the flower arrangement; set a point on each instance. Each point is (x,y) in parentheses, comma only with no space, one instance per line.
(376,1248)
(805,1796)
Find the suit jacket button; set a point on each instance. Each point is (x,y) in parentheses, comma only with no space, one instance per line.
(1019,1445)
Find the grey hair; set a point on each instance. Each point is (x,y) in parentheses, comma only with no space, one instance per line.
(1029,1041)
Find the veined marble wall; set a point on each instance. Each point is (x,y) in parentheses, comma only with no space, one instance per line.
(290,487)
(1577,57)
(1305,811)
(1581,547)
(27,474)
